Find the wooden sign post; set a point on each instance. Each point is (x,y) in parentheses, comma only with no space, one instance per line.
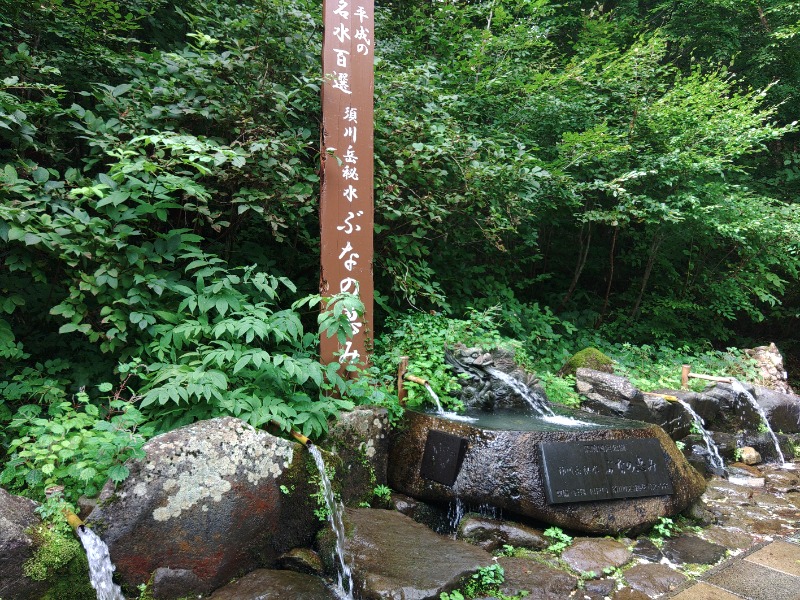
(346,203)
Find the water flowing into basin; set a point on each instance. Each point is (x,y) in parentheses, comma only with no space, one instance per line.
(434,397)
(100,567)
(713,451)
(740,389)
(536,402)
(344,587)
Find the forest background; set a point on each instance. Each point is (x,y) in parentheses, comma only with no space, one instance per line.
(548,175)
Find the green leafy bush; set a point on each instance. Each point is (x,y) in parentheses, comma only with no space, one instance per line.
(72,445)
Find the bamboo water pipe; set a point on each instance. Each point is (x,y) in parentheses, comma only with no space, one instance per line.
(296,435)
(686,374)
(666,397)
(402,376)
(73,520)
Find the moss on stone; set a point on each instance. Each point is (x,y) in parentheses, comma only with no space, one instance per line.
(59,560)
(588,358)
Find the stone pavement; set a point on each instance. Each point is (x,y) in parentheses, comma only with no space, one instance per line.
(768,572)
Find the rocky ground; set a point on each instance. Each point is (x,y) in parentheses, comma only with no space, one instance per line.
(394,556)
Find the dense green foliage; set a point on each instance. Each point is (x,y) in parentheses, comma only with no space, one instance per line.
(585,175)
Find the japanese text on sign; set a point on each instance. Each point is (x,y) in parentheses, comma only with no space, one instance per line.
(346,211)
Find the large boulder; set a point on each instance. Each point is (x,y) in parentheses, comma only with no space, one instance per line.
(359,443)
(782,409)
(770,366)
(215,499)
(505,468)
(393,556)
(17,545)
(608,394)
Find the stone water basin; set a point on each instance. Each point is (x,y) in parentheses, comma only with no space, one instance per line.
(577,470)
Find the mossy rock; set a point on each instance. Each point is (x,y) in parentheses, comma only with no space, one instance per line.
(61,562)
(588,358)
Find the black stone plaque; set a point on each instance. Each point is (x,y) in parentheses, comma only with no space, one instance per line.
(604,470)
(443,456)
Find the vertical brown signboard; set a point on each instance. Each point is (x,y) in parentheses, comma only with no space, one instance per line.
(346,207)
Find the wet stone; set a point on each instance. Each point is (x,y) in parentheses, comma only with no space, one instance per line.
(170,584)
(597,589)
(542,582)
(647,550)
(388,551)
(652,579)
(729,538)
(595,554)
(718,489)
(302,560)
(783,481)
(627,593)
(749,455)
(492,534)
(268,584)
(687,549)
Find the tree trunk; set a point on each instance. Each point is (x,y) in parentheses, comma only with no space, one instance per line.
(604,310)
(583,253)
(651,259)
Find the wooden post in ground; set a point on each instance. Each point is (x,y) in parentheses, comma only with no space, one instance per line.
(346,188)
(685,376)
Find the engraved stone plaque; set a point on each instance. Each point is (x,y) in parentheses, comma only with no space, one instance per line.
(604,470)
(442,458)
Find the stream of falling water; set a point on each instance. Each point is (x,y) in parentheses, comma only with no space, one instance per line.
(434,396)
(740,389)
(100,567)
(344,584)
(713,451)
(537,403)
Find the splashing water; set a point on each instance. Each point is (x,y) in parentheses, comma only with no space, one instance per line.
(344,585)
(740,389)
(536,402)
(713,451)
(435,398)
(455,512)
(100,567)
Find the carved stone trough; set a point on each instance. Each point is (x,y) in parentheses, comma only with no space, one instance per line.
(595,474)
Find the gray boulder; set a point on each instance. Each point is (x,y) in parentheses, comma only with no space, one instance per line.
(393,556)
(359,441)
(770,365)
(608,394)
(782,409)
(212,500)
(17,517)
(270,584)
(491,534)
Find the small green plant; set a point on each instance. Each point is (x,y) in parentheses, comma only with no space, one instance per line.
(560,540)
(680,445)
(663,529)
(737,454)
(382,492)
(486,579)
(485,582)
